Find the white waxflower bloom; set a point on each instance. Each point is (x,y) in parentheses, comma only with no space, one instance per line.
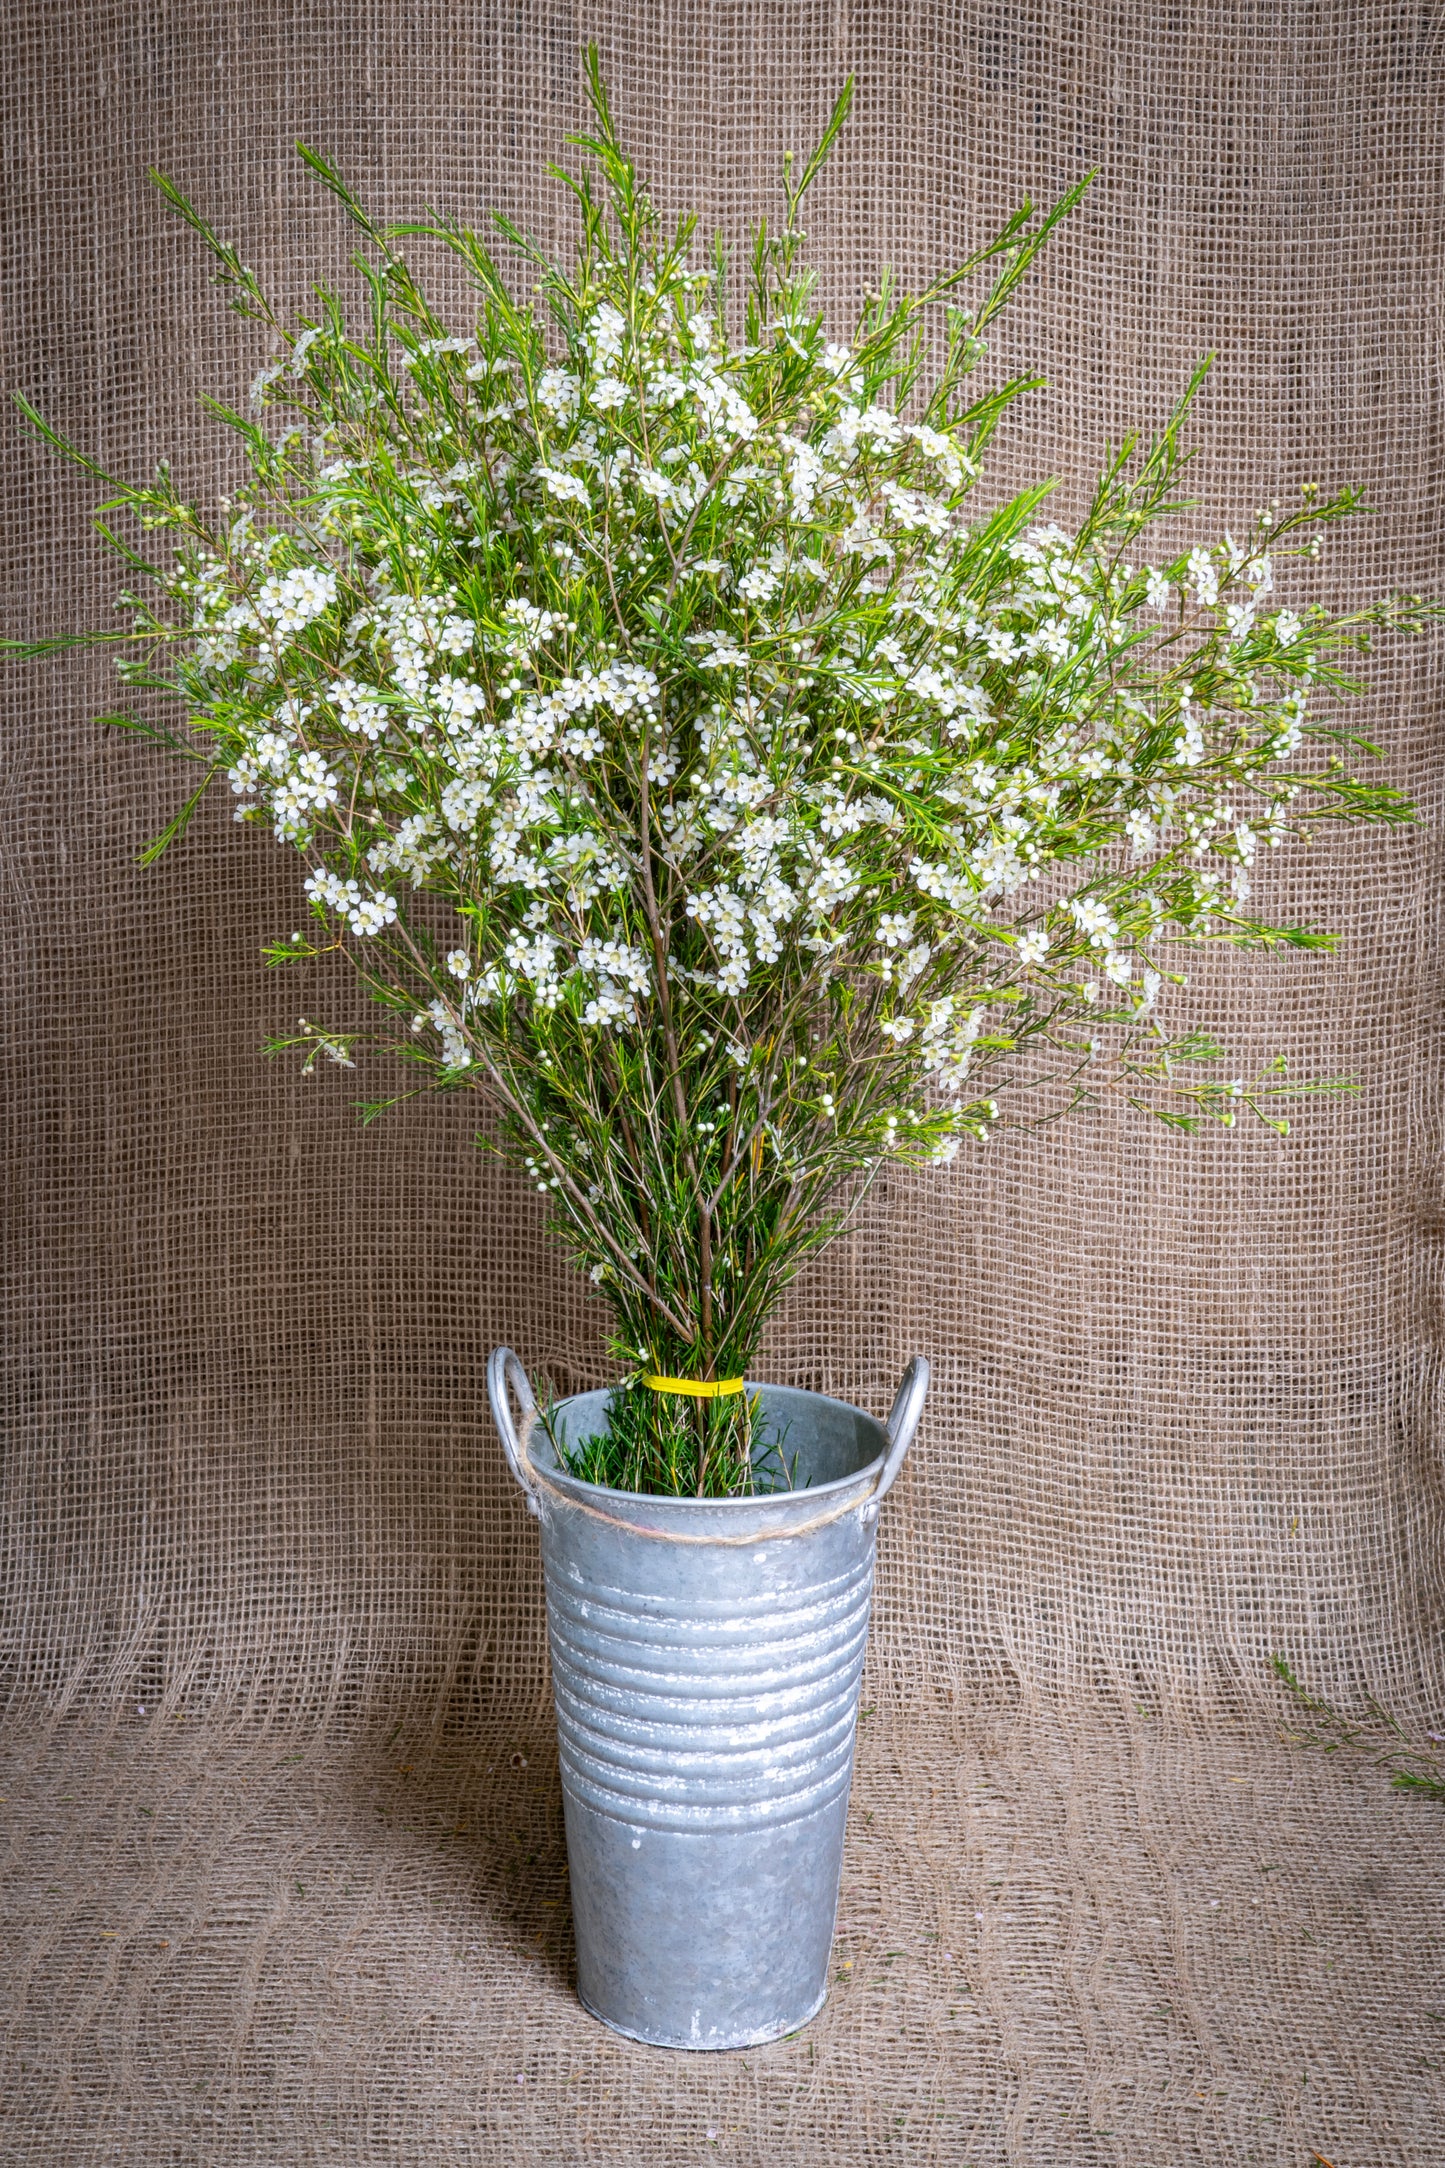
(531,730)
(733,977)
(628,688)
(459,963)
(455,1052)
(915,511)
(884,428)
(1051,640)
(1204,574)
(838,818)
(313,782)
(725,914)
(833,882)
(1033,946)
(536,962)
(1260,574)
(606,332)
(758,585)
(358,708)
(558,393)
(273,752)
(608,393)
(895,927)
(262,382)
(566,488)
(584,744)
(840,444)
(1140,830)
(655,485)
(912,964)
(954,889)
(722,410)
(462,802)
(735,488)
(328,888)
(767,940)
(368,914)
(995,863)
(1119,968)
(897,1028)
(458,701)
(608,1006)
(293,599)
(1158,593)
(1093,918)
(1239,617)
(1152,984)
(941,449)
(615,960)
(1287,627)
(805,472)
(431,347)
(1189,746)
(365,912)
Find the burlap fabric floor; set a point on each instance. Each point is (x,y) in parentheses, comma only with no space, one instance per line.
(1062,1940)
(309,1906)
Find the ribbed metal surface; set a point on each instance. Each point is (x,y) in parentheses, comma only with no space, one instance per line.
(722,1713)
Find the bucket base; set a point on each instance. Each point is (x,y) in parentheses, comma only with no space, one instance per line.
(703,1939)
(783,2031)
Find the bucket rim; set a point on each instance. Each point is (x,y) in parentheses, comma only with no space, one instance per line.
(687,1502)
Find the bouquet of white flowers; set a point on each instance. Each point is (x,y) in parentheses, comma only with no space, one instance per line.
(696,764)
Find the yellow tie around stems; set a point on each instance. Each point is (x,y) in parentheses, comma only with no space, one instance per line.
(696,1388)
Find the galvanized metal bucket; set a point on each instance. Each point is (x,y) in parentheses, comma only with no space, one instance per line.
(706,1657)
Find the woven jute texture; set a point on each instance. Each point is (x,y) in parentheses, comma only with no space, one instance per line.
(283,1868)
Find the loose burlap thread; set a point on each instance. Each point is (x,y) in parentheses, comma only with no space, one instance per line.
(284,1871)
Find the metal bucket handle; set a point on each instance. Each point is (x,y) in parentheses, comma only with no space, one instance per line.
(504,1370)
(902,1423)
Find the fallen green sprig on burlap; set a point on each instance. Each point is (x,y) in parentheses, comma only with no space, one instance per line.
(1411,1768)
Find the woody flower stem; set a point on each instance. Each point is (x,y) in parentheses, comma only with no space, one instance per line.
(515,1103)
(674,1067)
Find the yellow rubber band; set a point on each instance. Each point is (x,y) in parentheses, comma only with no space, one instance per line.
(695,1388)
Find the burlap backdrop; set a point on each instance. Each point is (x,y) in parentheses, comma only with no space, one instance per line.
(1184,1399)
